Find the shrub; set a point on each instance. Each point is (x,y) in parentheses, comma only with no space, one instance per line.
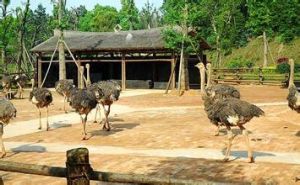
(240,63)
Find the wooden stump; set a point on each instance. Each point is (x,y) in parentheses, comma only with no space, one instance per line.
(78,167)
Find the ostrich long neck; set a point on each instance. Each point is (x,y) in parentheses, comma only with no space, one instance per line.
(292,67)
(208,66)
(88,74)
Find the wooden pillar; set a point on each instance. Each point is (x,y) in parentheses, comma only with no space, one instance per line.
(39,66)
(123,72)
(173,66)
(78,168)
(78,75)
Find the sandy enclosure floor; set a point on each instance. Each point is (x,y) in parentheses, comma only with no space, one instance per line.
(162,121)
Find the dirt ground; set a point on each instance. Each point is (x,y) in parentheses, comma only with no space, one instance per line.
(169,122)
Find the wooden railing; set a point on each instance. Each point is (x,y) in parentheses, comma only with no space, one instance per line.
(251,76)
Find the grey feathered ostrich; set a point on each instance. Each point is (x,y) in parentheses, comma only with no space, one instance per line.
(231,112)
(111,92)
(83,101)
(20,80)
(222,91)
(293,96)
(7,111)
(42,98)
(6,84)
(64,88)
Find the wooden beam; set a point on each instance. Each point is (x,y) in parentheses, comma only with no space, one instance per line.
(40,76)
(173,73)
(123,72)
(78,75)
(114,60)
(96,175)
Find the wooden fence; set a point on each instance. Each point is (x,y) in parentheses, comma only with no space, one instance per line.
(79,172)
(251,76)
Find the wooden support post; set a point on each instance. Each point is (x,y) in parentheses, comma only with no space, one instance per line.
(78,168)
(260,76)
(40,76)
(173,66)
(78,75)
(201,68)
(123,72)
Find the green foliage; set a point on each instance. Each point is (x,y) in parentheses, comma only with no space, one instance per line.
(101,19)
(129,16)
(150,17)
(240,63)
(285,68)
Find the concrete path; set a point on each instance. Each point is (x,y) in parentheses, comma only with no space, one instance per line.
(206,153)
(61,120)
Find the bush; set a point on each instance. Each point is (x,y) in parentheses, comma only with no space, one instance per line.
(240,63)
(285,68)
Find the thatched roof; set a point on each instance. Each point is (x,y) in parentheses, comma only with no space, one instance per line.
(150,39)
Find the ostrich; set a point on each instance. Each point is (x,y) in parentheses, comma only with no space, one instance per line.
(111,92)
(221,91)
(20,80)
(83,101)
(7,111)
(293,96)
(41,97)
(64,88)
(231,112)
(6,84)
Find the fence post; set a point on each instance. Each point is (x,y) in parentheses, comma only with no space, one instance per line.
(261,77)
(78,167)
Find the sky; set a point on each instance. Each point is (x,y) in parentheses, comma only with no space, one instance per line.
(89,4)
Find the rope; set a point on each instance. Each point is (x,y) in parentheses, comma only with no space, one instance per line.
(78,66)
(50,64)
(30,61)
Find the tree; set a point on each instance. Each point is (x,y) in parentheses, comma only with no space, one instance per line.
(149,16)
(75,15)
(22,16)
(100,19)
(129,15)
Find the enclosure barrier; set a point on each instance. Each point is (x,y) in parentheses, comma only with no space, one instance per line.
(79,172)
(250,76)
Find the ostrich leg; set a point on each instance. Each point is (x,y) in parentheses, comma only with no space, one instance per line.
(3,153)
(230,138)
(96,112)
(65,97)
(40,121)
(47,111)
(217,132)
(106,123)
(250,153)
(83,120)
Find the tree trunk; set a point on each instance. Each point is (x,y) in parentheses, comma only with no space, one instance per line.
(61,48)
(292,67)
(21,34)
(218,44)
(265,50)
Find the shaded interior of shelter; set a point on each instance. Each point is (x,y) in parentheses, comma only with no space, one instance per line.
(140,75)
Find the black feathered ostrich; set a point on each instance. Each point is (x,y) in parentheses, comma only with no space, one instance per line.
(111,92)
(20,80)
(231,112)
(222,91)
(293,96)
(64,88)
(42,98)
(83,101)
(7,111)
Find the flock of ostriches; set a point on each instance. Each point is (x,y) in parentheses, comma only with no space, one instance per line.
(222,104)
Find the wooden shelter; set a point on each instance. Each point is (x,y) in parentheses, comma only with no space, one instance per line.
(138,58)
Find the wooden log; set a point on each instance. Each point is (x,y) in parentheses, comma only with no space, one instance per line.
(123,72)
(78,167)
(96,175)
